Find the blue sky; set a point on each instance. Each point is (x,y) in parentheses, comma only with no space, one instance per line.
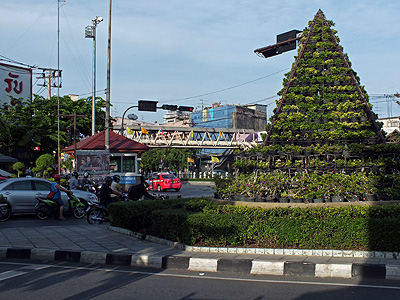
(184,52)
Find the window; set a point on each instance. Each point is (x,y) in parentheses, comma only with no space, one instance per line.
(115,164)
(42,186)
(169,176)
(129,164)
(122,164)
(25,185)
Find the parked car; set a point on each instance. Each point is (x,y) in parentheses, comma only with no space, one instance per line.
(21,193)
(164,181)
(217,172)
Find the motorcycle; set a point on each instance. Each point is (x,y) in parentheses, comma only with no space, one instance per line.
(5,210)
(97,213)
(47,207)
(92,188)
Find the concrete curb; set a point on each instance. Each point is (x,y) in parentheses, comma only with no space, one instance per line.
(242,266)
(263,251)
(277,262)
(264,267)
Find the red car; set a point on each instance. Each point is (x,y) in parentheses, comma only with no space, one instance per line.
(164,181)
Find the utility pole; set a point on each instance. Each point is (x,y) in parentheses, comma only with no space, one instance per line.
(63,2)
(50,79)
(90,32)
(107,125)
(75,131)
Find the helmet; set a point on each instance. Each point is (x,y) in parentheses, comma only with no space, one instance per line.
(86,175)
(57,177)
(29,172)
(116,177)
(75,174)
(108,179)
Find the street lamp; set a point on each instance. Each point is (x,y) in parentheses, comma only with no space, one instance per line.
(143,105)
(123,116)
(90,32)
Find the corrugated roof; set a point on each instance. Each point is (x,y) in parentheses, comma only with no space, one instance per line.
(118,143)
(7,159)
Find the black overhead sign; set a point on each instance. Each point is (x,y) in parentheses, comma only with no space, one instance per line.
(284,42)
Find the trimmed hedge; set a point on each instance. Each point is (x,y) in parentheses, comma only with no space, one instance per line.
(200,222)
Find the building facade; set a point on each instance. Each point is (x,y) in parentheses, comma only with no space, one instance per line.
(231,116)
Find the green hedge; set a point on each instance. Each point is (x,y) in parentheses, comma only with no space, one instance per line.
(137,215)
(199,222)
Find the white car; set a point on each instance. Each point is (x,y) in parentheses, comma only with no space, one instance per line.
(221,173)
(21,193)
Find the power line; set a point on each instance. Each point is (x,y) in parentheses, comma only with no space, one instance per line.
(98,91)
(2,57)
(232,87)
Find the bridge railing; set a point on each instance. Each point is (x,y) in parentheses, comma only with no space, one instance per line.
(192,137)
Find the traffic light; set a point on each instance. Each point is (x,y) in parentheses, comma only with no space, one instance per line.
(77,134)
(147,105)
(169,107)
(186,108)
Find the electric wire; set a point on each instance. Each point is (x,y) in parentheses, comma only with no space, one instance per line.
(33,23)
(232,87)
(9,60)
(79,61)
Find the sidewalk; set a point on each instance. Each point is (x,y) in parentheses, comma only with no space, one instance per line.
(108,245)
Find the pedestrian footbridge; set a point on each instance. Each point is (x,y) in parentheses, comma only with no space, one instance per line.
(191,137)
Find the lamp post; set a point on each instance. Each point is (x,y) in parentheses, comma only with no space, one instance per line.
(123,116)
(143,105)
(90,32)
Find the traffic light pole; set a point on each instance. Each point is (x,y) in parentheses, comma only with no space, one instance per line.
(151,105)
(74,116)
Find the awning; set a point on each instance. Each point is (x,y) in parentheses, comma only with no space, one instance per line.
(7,159)
(4,173)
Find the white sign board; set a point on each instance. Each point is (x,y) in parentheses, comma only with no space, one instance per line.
(15,82)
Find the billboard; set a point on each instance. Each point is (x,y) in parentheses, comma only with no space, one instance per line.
(15,82)
(94,162)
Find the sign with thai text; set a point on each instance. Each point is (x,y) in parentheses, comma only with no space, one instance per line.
(15,82)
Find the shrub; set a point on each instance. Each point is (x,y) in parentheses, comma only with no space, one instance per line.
(196,222)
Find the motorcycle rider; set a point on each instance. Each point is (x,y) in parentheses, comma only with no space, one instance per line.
(29,173)
(115,186)
(74,183)
(57,188)
(138,191)
(88,184)
(106,191)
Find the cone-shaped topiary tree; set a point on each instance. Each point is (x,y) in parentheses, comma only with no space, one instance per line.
(322,100)
(323,139)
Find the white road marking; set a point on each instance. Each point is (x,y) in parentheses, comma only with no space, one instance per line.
(10,274)
(204,277)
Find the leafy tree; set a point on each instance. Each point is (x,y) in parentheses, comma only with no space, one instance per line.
(44,163)
(29,124)
(174,159)
(5,133)
(68,164)
(19,167)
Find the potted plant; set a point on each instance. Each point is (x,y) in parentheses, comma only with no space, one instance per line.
(284,198)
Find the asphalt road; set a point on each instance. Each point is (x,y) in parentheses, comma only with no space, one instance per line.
(188,190)
(20,280)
